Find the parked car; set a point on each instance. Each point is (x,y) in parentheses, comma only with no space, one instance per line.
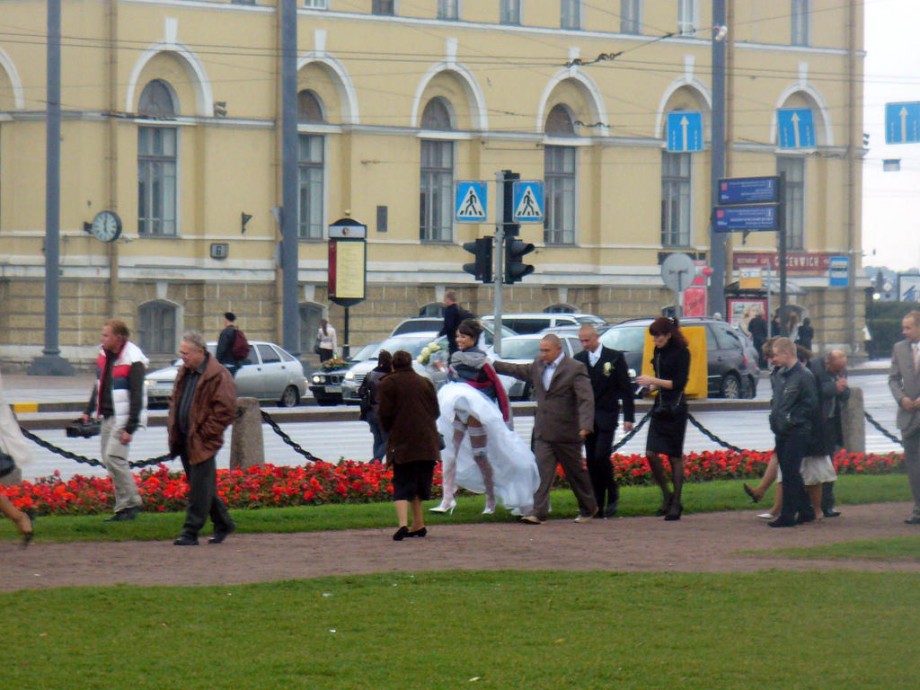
(429,324)
(731,372)
(326,386)
(539,321)
(413,343)
(269,373)
(524,349)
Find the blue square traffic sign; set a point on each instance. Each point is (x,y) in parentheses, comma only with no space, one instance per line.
(527,200)
(796,128)
(685,131)
(902,123)
(472,202)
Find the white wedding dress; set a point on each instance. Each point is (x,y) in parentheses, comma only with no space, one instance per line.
(514,468)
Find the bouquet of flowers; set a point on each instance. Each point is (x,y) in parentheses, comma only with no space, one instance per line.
(424,357)
(334,363)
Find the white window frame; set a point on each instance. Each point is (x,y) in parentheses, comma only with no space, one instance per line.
(316,4)
(676,199)
(796,172)
(510,12)
(688,17)
(570,15)
(631,16)
(377,8)
(800,29)
(311,229)
(449,10)
(560,190)
(150,169)
(436,190)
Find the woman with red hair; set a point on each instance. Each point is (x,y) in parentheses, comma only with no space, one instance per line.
(671,362)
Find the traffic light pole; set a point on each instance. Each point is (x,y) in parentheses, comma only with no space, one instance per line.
(498,254)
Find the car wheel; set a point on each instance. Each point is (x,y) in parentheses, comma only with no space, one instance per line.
(290,397)
(750,388)
(731,387)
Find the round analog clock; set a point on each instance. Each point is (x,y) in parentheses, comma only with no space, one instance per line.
(106,226)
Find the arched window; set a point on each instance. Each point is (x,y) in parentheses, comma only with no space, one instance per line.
(436,195)
(157,162)
(312,168)
(156,331)
(559,165)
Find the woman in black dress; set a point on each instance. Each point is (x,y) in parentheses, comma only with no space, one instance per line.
(671,361)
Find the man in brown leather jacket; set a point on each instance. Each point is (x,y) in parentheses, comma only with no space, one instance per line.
(201,407)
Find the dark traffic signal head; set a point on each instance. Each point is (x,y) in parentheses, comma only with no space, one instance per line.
(481,268)
(515,269)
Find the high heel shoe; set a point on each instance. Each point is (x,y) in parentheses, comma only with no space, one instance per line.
(445,508)
(490,507)
(665,506)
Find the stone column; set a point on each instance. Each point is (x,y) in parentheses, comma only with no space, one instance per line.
(853,421)
(246,447)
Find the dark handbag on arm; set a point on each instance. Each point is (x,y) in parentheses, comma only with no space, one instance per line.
(667,411)
(7,464)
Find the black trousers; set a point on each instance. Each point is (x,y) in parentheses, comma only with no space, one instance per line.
(790,450)
(203,499)
(600,471)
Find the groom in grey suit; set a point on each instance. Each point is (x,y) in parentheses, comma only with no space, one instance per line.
(565,415)
(904,381)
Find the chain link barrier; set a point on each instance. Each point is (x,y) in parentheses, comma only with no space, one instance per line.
(287,439)
(297,448)
(711,436)
(92,462)
(874,422)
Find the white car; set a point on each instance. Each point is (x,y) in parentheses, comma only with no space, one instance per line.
(413,343)
(524,349)
(269,373)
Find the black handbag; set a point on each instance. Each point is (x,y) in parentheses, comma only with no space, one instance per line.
(7,464)
(667,411)
(316,349)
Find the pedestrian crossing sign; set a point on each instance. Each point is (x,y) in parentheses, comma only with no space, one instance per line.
(528,201)
(472,200)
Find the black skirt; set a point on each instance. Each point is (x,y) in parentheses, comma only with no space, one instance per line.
(412,480)
(666,436)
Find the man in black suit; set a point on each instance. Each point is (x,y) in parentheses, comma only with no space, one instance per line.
(610,382)
(452,319)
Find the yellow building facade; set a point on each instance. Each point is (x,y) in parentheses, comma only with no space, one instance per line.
(171,118)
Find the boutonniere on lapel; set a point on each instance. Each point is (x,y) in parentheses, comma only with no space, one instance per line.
(607,368)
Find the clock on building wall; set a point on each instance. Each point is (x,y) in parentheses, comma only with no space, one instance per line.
(106,226)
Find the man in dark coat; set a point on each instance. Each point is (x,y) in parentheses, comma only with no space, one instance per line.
(757,327)
(224,351)
(201,407)
(408,412)
(610,383)
(452,319)
(833,393)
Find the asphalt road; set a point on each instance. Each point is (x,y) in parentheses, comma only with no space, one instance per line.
(334,440)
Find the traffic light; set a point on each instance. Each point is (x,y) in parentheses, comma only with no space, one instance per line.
(481,269)
(515,269)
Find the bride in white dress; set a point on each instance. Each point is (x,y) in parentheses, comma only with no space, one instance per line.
(482,453)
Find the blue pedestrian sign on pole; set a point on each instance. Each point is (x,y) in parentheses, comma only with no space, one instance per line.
(472,199)
(902,123)
(527,201)
(685,131)
(839,271)
(796,128)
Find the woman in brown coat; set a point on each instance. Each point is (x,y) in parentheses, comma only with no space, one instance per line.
(409,414)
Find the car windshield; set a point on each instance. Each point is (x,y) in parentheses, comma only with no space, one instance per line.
(520,348)
(418,325)
(625,338)
(365,352)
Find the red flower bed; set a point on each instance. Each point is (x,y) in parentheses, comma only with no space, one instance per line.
(268,486)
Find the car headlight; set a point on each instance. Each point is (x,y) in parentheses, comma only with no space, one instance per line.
(632,373)
(317,379)
(350,376)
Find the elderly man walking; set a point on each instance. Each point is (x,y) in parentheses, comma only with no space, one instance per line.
(119,397)
(201,407)
(564,417)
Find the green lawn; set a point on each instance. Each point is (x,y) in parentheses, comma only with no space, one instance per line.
(892,549)
(698,497)
(504,630)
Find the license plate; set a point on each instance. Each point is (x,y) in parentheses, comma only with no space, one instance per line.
(333,389)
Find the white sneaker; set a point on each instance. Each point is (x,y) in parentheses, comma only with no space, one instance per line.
(766,516)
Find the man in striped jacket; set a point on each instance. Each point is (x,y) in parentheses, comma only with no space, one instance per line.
(120,399)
